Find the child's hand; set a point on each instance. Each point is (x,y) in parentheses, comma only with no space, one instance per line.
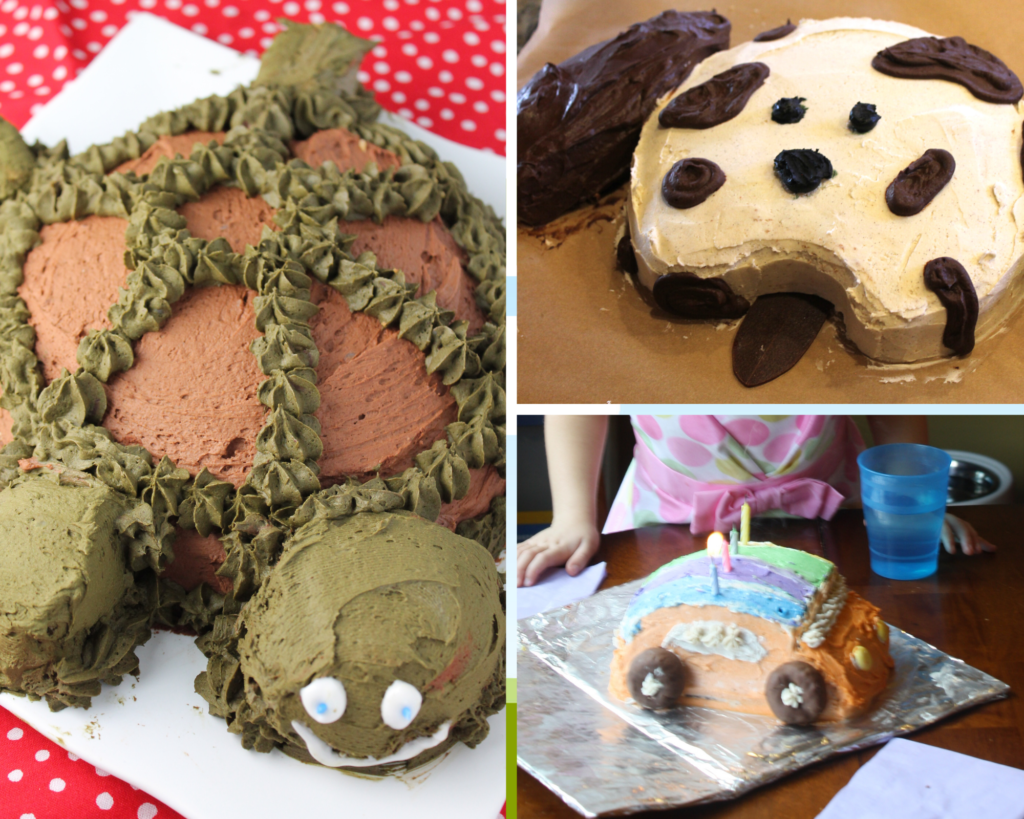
(572,544)
(959,531)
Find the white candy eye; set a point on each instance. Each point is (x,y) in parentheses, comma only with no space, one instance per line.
(400,705)
(324,699)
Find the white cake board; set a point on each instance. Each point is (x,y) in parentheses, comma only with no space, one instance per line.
(156,733)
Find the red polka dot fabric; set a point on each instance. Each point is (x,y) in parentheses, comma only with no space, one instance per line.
(40,780)
(438,63)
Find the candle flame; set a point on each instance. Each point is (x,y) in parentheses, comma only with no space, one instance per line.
(716,540)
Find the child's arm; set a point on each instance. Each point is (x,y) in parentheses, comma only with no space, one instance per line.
(574,446)
(913,429)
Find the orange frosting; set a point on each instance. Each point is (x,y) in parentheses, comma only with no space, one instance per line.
(714,681)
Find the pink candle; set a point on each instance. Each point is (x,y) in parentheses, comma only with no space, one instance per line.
(726,562)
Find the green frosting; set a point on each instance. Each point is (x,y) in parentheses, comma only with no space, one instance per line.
(313,58)
(71,613)
(409,601)
(16,160)
(448,470)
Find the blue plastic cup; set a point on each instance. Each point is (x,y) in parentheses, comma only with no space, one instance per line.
(903,488)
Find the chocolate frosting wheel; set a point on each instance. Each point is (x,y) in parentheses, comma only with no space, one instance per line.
(796,693)
(656,677)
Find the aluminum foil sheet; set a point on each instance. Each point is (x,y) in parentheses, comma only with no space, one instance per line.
(604,757)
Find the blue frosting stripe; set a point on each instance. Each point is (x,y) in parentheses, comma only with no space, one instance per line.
(738,596)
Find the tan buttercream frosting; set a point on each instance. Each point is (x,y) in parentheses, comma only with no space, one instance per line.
(841,241)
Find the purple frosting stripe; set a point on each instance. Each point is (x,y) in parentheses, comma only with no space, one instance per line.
(747,569)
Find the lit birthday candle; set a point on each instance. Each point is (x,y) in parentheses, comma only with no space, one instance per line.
(726,561)
(745,523)
(715,541)
(714,579)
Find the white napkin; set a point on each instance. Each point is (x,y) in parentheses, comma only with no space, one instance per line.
(911,780)
(558,588)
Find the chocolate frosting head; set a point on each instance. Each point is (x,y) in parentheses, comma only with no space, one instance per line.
(863,117)
(578,122)
(689,296)
(656,678)
(920,182)
(775,33)
(690,181)
(796,693)
(716,101)
(801,170)
(948,280)
(953,59)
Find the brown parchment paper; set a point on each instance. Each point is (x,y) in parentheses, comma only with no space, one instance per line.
(587,336)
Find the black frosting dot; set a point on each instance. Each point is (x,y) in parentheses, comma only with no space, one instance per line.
(863,118)
(801,170)
(789,110)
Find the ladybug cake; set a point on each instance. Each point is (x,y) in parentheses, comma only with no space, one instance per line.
(763,630)
(252,363)
(864,162)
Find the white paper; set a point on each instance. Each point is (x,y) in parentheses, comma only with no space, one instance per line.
(157,734)
(558,588)
(907,780)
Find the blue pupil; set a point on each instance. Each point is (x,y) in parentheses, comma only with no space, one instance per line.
(407,712)
(321,708)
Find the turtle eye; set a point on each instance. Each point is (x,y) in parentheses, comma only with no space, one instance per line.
(324,700)
(400,705)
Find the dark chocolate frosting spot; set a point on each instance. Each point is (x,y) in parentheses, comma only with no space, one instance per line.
(689,296)
(863,117)
(775,33)
(666,674)
(948,280)
(801,170)
(578,122)
(789,110)
(805,700)
(690,181)
(625,256)
(920,182)
(716,101)
(953,59)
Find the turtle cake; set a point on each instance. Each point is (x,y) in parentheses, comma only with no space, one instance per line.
(771,631)
(259,341)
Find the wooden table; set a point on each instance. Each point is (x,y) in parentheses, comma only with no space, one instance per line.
(972,608)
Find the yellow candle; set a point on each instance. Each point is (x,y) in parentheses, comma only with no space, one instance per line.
(745,523)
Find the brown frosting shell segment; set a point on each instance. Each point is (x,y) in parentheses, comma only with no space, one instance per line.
(71,279)
(716,101)
(775,33)
(954,59)
(689,296)
(948,280)
(691,181)
(920,182)
(367,377)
